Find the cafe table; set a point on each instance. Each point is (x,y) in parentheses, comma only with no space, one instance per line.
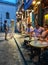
(25,35)
(36,43)
(39,43)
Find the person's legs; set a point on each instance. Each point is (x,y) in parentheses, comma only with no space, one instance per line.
(5,35)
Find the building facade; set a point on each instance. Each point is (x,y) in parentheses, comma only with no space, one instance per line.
(7,12)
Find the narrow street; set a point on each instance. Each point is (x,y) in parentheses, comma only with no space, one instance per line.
(23,32)
(9,53)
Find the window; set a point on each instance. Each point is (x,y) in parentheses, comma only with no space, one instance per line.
(7,15)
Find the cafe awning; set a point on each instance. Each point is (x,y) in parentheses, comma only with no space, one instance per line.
(27,4)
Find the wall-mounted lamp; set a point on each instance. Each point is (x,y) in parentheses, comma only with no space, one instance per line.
(32,10)
(16,12)
(20,12)
(34,2)
(38,2)
(22,9)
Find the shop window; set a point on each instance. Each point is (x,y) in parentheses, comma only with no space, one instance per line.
(7,15)
(46,18)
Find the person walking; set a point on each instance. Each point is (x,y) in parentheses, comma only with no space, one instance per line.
(5,29)
(11,35)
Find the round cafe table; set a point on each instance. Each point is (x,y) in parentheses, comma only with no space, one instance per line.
(40,45)
(36,43)
(25,35)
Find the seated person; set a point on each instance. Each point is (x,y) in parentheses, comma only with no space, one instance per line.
(29,30)
(38,30)
(45,33)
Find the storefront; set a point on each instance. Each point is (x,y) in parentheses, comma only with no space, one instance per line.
(45,11)
(46,16)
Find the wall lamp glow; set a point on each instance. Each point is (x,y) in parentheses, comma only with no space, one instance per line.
(33,2)
(38,2)
(16,12)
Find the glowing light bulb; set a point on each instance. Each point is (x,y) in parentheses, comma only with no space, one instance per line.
(38,2)
(33,2)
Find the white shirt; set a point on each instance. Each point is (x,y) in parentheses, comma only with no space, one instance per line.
(31,29)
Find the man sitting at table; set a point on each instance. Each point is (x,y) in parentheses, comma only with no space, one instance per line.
(38,30)
(29,30)
(45,33)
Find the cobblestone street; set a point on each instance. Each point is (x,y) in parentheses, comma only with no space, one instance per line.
(9,54)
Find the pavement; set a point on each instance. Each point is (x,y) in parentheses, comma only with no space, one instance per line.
(9,53)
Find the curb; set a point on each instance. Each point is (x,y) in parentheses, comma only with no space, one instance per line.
(25,63)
